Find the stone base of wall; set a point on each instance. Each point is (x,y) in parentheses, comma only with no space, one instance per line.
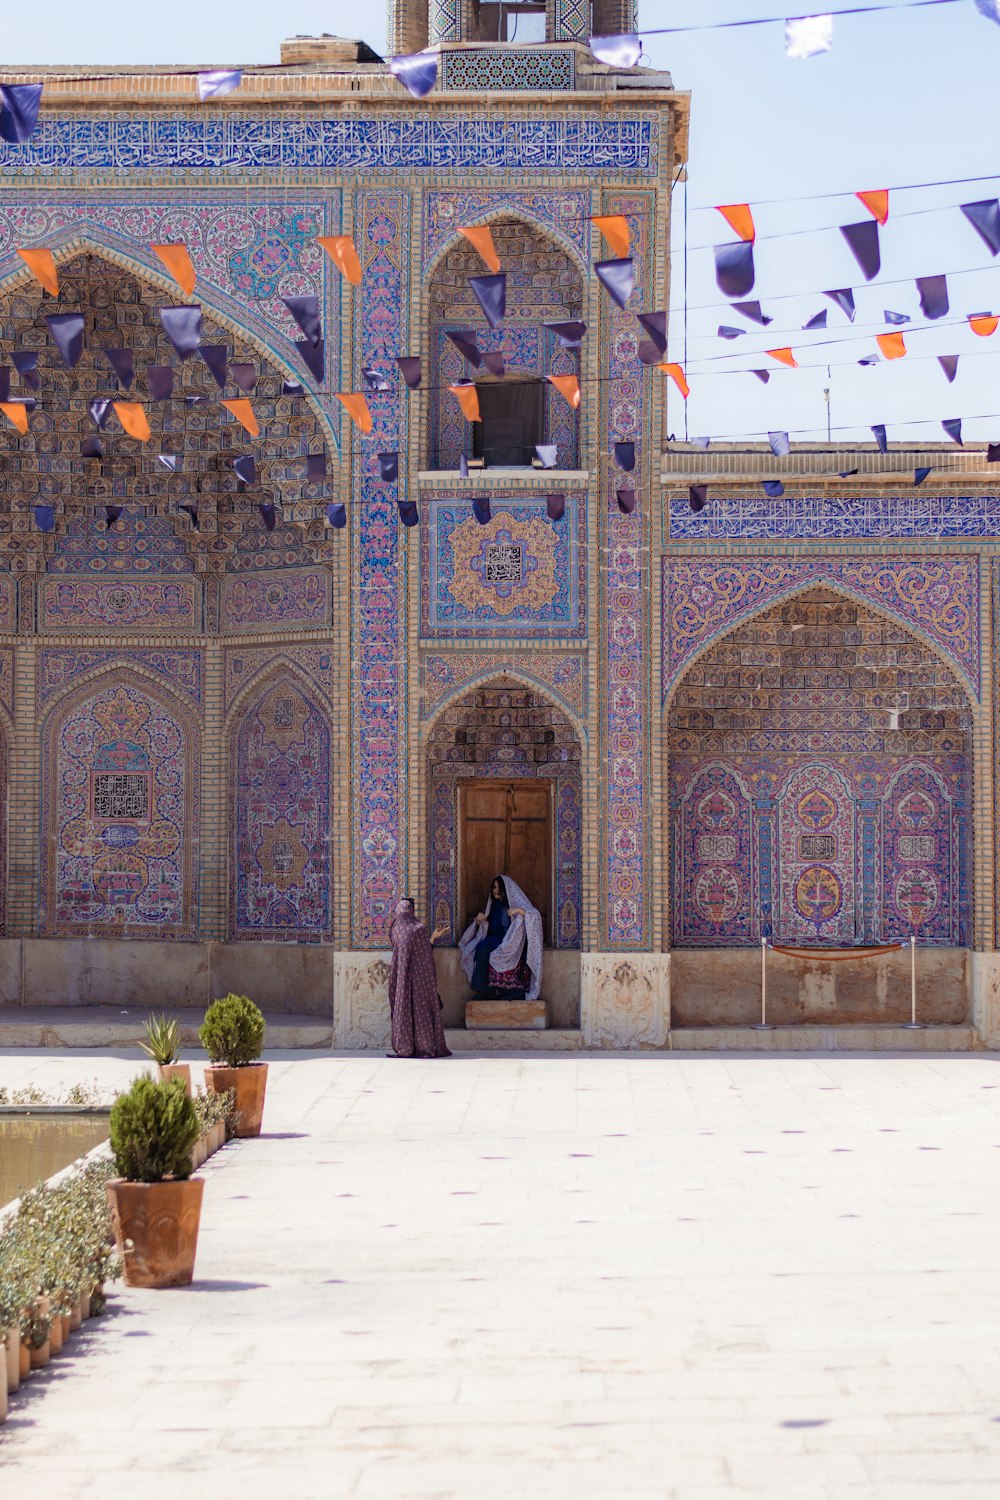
(985,997)
(283,978)
(625,999)
(721,987)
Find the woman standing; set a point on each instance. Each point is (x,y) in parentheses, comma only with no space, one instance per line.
(413,998)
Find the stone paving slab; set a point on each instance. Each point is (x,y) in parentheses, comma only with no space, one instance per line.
(637,1276)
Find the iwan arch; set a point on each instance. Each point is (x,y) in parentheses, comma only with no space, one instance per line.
(230,748)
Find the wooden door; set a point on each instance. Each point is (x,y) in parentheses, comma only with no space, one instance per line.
(504,827)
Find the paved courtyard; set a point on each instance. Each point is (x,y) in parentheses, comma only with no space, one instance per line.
(634,1277)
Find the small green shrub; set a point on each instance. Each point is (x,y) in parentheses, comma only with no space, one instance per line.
(233,1032)
(153,1127)
(163,1039)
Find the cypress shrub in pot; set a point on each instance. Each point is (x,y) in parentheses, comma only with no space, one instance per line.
(233,1037)
(155,1202)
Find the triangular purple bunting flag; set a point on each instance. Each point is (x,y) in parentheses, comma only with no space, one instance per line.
(26,363)
(463,466)
(878,432)
(246,469)
(216,357)
(192,511)
(780,445)
(762,375)
(92,447)
(953,427)
(626,501)
(416,71)
(122,361)
(625,456)
(556,506)
(408,513)
(649,352)
(292,388)
(701,442)
(548,453)
(160,382)
(111,515)
(752,311)
(984,217)
(618,278)
(697,495)
(182,325)
(933,295)
(818,320)
(100,411)
(45,517)
(313,357)
(725,332)
(67,331)
(481,509)
(734,269)
(773,488)
(168,461)
(620,51)
(843,296)
(491,294)
(19,111)
(4,383)
(949,364)
(410,369)
(919,475)
(863,241)
(655,324)
(305,311)
(268,514)
(894,317)
(374,379)
(465,342)
(336,514)
(218,82)
(194,400)
(993,453)
(494,363)
(315,468)
(388,467)
(570,334)
(243,375)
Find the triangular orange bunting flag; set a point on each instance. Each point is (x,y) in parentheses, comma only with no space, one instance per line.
(676,374)
(132,417)
(340,249)
(482,237)
(178,262)
(242,410)
(877,203)
(739,218)
(17,412)
(614,228)
(784,357)
(568,387)
(356,407)
(891,345)
(984,324)
(42,265)
(468,399)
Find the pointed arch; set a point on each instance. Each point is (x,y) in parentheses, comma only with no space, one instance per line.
(139,261)
(494,673)
(120,809)
(281,801)
(508,207)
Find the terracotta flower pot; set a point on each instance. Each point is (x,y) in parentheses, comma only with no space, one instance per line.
(56,1335)
(75,1317)
(23,1361)
(176,1070)
(156,1226)
(13,1358)
(3,1402)
(39,1357)
(249,1083)
(85,1306)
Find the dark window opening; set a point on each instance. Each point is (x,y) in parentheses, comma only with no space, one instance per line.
(509,21)
(512,419)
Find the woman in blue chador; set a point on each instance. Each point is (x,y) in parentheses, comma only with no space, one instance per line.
(501,951)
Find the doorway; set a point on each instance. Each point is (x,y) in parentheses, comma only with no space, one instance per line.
(505,827)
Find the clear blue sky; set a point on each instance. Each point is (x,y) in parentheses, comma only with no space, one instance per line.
(905,97)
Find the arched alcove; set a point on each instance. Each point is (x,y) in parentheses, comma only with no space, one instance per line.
(820,785)
(544,285)
(280,816)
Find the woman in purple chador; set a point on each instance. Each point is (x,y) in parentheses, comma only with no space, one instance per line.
(413,997)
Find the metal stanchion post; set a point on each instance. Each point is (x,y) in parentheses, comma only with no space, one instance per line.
(764,1024)
(913,1024)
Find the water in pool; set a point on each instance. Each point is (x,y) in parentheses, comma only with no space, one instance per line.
(34,1146)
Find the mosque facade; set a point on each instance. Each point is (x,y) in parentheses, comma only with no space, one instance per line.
(245,708)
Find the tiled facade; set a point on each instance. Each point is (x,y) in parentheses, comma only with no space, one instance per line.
(221,737)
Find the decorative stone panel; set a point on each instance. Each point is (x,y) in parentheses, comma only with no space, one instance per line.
(361,1001)
(625,1000)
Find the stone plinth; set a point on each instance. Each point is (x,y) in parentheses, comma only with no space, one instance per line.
(506,1015)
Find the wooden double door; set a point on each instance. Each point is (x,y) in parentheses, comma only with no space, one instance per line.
(505,827)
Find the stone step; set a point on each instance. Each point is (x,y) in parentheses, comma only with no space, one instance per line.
(555,1039)
(110,1026)
(807,1038)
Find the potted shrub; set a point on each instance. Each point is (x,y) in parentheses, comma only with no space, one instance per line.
(155,1202)
(233,1037)
(162,1044)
